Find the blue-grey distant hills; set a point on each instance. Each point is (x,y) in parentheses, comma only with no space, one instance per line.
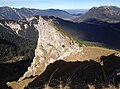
(22,13)
(109,14)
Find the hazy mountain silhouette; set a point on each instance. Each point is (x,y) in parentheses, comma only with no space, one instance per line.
(22,13)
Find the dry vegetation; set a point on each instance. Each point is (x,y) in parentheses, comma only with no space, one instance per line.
(88,86)
(87,53)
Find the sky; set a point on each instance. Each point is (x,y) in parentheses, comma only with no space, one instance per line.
(58,4)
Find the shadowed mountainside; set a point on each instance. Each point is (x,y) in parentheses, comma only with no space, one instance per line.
(93,31)
(64,72)
(12,71)
(12,45)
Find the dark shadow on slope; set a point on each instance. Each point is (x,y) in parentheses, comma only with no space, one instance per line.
(91,30)
(80,74)
(111,66)
(12,71)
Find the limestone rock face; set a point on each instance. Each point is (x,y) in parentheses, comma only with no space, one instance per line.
(52,45)
(23,28)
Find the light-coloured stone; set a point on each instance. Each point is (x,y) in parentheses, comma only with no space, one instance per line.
(117,54)
(16,27)
(52,45)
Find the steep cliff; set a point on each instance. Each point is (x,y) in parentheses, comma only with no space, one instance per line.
(52,45)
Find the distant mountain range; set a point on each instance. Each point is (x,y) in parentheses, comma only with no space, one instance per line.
(22,13)
(109,14)
(76,11)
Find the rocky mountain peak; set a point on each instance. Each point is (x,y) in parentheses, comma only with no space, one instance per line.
(105,10)
(105,7)
(52,45)
(110,14)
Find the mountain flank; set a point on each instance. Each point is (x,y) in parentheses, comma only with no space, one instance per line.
(110,14)
(98,32)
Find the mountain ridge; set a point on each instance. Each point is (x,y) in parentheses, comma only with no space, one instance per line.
(52,44)
(22,13)
(55,46)
(109,14)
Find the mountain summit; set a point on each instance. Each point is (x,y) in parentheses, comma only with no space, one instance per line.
(52,45)
(109,14)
